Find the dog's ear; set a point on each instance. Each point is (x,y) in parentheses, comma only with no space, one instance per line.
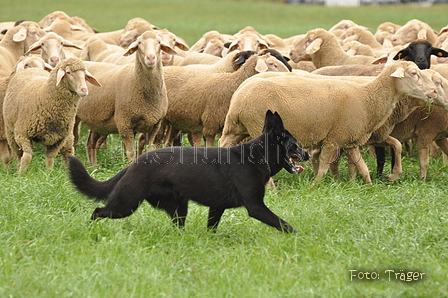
(273,121)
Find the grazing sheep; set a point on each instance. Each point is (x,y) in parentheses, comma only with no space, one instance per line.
(412,30)
(343,25)
(338,114)
(387,27)
(17,41)
(133,98)
(40,107)
(52,17)
(325,50)
(52,48)
(384,38)
(206,38)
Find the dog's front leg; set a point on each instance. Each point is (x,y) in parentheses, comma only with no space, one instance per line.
(214,215)
(262,213)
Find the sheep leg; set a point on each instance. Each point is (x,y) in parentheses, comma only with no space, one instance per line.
(355,157)
(26,153)
(327,156)
(396,149)
(94,142)
(209,140)
(127,137)
(195,139)
(423,155)
(5,153)
(315,153)
(52,151)
(443,144)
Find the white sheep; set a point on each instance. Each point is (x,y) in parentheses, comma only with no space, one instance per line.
(133,29)
(17,41)
(40,107)
(133,98)
(96,49)
(52,48)
(338,114)
(325,50)
(353,48)
(412,30)
(23,63)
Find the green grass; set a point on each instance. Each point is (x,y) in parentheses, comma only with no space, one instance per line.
(50,248)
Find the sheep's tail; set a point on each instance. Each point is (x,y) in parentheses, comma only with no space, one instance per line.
(85,184)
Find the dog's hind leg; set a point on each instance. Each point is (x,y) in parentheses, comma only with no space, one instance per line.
(175,206)
(214,216)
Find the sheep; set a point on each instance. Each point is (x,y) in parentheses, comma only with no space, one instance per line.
(198,100)
(425,126)
(17,41)
(96,49)
(133,29)
(52,17)
(343,25)
(248,41)
(174,41)
(206,38)
(41,108)
(338,114)
(364,36)
(52,48)
(325,50)
(384,38)
(353,48)
(134,95)
(412,30)
(199,58)
(405,107)
(387,27)
(23,63)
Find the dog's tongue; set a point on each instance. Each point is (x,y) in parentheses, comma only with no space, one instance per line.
(299,169)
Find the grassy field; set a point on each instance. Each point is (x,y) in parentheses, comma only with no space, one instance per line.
(346,230)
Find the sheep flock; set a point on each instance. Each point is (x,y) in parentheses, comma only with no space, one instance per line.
(337,90)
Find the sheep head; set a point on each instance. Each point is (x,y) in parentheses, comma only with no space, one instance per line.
(75,75)
(420,51)
(149,45)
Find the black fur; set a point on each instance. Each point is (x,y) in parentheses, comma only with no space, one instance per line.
(216,177)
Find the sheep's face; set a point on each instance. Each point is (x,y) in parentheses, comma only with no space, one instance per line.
(442,88)
(74,79)
(148,47)
(413,82)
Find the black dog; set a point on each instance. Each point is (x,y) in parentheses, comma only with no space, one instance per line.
(216,177)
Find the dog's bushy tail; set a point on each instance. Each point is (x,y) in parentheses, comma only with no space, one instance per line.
(85,184)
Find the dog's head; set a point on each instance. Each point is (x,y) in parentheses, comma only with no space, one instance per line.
(289,151)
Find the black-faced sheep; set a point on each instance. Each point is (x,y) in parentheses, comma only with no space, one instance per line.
(420,51)
(40,107)
(338,114)
(133,98)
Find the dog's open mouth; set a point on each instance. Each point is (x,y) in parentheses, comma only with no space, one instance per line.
(295,169)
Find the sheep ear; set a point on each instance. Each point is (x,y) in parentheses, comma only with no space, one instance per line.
(91,79)
(181,45)
(439,52)
(402,54)
(381,60)
(398,73)
(48,67)
(20,35)
(59,76)
(233,45)
(314,46)
(261,66)
(131,49)
(35,46)
(167,48)
(69,44)
(262,44)
(421,34)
